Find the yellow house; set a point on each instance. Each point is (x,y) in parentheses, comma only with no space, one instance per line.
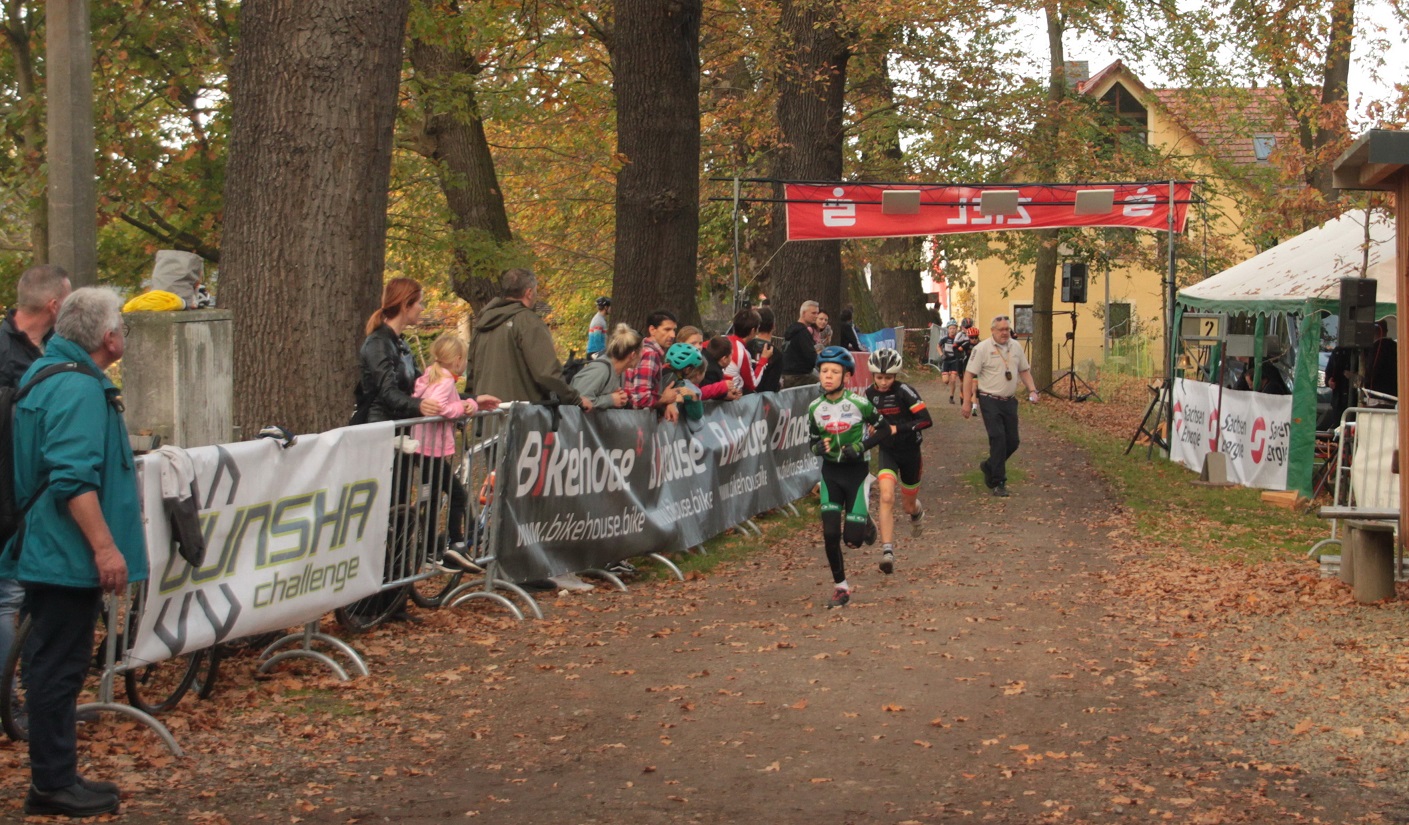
(1131,296)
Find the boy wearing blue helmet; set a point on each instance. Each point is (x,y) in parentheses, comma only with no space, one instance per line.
(838,422)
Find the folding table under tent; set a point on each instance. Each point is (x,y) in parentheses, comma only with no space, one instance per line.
(1289,288)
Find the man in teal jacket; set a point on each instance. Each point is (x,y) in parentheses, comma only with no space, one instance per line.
(83,537)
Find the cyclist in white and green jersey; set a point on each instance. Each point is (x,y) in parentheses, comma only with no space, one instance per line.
(838,422)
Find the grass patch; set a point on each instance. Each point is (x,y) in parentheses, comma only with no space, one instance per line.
(737,545)
(974,478)
(318,700)
(1211,523)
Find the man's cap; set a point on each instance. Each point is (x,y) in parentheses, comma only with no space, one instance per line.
(603,301)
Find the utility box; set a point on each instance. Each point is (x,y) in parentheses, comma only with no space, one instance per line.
(177,378)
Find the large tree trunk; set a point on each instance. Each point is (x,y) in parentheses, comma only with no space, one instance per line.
(811,87)
(656,69)
(313,105)
(454,139)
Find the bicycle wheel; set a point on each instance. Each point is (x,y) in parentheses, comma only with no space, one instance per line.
(13,716)
(430,593)
(160,686)
(370,611)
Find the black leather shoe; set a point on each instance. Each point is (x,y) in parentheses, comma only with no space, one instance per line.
(1001,491)
(74,801)
(100,786)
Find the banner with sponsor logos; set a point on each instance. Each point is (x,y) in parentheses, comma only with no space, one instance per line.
(290,535)
(827,211)
(1252,429)
(586,490)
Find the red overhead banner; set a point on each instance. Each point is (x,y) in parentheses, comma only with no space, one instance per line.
(830,211)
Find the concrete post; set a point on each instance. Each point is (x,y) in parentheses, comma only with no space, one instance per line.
(73,190)
(176,376)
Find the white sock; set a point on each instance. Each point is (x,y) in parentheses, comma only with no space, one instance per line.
(842,585)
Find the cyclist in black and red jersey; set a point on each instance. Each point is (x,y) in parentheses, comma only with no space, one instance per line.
(901,407)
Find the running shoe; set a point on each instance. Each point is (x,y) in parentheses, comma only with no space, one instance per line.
(457,559)
(840,596)
(916,516)
(870,532)
(888,560)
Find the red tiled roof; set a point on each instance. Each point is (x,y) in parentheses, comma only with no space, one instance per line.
(1224,122)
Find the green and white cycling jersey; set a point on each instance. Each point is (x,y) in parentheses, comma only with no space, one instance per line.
(842,420)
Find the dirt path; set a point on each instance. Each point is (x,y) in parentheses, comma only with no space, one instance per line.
(993,678)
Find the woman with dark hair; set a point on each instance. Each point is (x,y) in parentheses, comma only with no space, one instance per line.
(388,370)
(846,332)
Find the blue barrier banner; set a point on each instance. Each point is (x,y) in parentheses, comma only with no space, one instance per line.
(582,490)
(888,338)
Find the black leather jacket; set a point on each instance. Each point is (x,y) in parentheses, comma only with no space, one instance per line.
(388,376)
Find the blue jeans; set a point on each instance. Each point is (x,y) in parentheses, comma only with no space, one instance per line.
(11,596)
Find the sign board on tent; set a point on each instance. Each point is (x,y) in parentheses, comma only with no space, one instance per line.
(1204,327)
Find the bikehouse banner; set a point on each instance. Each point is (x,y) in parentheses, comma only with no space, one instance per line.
(1252,429)
(828,211)
(291,533)
(583,491)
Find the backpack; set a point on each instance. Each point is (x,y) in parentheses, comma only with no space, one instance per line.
(361,406)
(12,515)
(573,366)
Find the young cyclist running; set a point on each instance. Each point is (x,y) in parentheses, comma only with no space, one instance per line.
(904,410)
(837,421)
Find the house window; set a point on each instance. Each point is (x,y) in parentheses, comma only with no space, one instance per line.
(1120,318)
(1132,117)
(1022,320)
(1262,146)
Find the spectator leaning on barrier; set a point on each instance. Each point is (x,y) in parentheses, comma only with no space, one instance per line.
(27,327)
(716,386)
(645,383)
(799,348)
(83,537)
(601,380)
(770,367)
(511,353)
(388,370)
(742,369)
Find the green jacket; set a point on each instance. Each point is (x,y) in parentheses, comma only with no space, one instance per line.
(512,356)
(67,430)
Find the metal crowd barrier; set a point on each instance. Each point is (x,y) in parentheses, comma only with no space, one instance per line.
(1366,441)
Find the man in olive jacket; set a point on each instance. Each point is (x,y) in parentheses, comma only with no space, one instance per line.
(511,351)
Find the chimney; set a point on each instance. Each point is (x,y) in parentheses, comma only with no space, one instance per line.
(1078,72)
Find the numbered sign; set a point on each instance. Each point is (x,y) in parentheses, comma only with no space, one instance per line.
(1201,326)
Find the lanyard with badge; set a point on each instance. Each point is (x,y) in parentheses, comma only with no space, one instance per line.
(1003,354)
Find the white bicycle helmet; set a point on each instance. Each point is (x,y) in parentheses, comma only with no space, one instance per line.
(885,361)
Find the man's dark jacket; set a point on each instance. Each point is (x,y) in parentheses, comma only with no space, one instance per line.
(512,356)
(799,352)
(17,352)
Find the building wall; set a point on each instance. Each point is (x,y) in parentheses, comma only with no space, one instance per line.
(998,290)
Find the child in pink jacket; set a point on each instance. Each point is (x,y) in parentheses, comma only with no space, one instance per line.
(437,439)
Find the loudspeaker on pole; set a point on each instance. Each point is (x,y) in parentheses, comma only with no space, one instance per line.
(1357,312)
(1074,283)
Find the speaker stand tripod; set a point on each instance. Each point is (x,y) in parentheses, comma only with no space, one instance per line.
(1071,380)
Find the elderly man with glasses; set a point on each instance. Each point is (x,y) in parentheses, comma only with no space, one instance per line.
(991,384)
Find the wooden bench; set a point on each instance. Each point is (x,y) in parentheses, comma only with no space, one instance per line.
(1367,553)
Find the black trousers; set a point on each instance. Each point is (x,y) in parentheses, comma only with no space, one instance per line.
(1000,418)
(57,656)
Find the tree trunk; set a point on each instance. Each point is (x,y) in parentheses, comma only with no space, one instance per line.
(454,139)
(811,87)
(656,69)
(895,272)
(313,105)
(29,136)
(1331,128)
(1044,276)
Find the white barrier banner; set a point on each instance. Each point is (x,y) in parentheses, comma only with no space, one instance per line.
(1252,429)
(290,535)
